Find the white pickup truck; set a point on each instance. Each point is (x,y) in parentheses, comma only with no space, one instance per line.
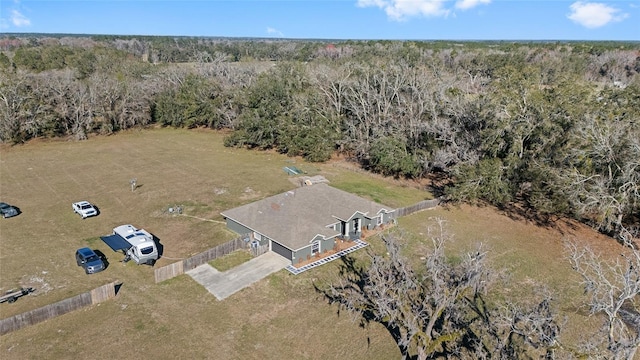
(136,244)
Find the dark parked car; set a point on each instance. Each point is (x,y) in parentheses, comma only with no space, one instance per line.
(89,260)
(7,210)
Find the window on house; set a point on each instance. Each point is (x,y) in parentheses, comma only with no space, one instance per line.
(315,247)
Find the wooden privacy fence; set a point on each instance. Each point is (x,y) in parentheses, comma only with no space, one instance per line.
(180,267)
(104,293)
(168,272)
(425,204)
(97,295)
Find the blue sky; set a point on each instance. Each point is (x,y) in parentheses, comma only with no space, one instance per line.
(332,19)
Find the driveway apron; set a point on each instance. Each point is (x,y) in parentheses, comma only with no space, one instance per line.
(225,284)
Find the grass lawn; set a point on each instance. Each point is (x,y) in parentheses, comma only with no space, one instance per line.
(279,317)
(232,260)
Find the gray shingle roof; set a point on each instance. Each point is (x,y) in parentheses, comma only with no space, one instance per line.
(295,217)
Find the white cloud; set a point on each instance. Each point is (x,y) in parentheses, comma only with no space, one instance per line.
(272,31)
(594,15)
(468,4)
(19,20)
(402,9)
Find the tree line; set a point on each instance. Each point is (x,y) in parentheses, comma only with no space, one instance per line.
(552,127)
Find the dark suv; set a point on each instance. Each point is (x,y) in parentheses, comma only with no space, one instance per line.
(89,260)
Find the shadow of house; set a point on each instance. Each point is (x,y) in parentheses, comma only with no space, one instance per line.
(307,221)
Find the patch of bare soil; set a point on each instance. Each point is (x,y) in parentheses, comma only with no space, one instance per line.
(249,194)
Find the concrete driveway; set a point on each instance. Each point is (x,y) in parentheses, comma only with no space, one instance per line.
(224,284)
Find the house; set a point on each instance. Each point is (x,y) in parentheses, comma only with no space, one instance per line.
(306,221)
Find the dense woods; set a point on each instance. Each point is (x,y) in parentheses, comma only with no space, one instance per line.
(550,127)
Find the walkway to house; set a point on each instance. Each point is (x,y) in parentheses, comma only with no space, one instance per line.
(295,270)
(225,284)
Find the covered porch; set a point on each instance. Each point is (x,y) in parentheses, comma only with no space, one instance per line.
(328,257)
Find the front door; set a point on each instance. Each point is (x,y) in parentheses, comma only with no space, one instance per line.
(356,225)
(315,247)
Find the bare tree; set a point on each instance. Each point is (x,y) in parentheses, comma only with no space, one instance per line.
(14,96)
(332,83)
(607,189)
(120,104)
(440,310)
(371,98)
(613,287)
(613,67)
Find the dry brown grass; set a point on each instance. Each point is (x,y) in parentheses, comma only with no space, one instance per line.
(532,257)
(279,317)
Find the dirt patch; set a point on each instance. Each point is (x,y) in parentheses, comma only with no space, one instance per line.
(249,194)
(36,282)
